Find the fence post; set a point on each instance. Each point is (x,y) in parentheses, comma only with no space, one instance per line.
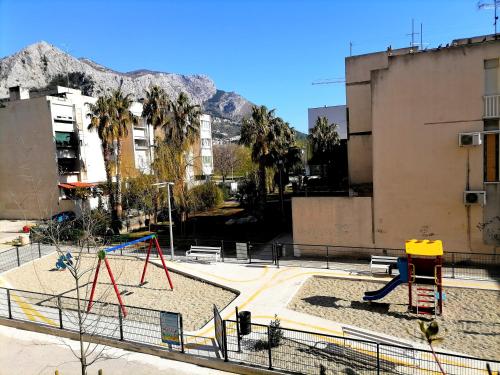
(378,358)
(269,347)
(249,251)
(280,246)
(222,249)
(60,312)
(120,321)
(8,304)
(224,340)
(238,328)
(452,265)
(327,258)
(39,251)
(182,333)
(88,247)
(17,255)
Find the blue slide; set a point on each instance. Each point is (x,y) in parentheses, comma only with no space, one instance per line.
(391,285)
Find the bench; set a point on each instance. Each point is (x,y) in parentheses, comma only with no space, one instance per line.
(383,264)
(204,252)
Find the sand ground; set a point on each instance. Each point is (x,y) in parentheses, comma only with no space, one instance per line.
(192,298)
(470,323)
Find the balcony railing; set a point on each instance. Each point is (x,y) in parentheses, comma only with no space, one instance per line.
(492,106)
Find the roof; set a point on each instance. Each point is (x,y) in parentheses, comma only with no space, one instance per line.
(77,184)
(430,248)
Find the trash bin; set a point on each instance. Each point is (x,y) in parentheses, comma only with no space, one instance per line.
(245,318)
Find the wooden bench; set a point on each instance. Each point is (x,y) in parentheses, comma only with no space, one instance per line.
(204,252)
(382,264)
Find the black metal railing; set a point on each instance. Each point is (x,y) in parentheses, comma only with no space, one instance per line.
(304,352)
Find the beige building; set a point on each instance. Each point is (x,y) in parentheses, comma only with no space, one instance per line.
(423,150)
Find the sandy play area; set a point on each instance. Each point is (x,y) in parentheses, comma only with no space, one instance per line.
(471,320)
(192,298)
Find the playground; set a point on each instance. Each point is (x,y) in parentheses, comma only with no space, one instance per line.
(193,298)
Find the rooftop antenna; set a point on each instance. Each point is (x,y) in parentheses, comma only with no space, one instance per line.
(328,81)
(350,48)
(494,5)
(413,33)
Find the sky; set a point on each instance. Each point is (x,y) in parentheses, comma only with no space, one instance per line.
(268,51)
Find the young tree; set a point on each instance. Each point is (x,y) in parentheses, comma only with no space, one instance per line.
(226,159)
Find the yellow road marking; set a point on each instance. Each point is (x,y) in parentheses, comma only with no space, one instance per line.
(30,311)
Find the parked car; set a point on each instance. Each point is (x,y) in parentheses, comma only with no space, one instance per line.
(63,217)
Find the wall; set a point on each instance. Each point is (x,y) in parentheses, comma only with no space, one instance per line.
(28,168)
(419,106)
(341,221)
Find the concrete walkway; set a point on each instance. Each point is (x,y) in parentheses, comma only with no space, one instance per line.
(35,353)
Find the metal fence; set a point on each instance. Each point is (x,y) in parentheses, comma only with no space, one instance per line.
(16,256)
(305,352)
(141,325)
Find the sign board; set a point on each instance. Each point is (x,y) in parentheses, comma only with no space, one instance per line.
(170,328)
(241,250)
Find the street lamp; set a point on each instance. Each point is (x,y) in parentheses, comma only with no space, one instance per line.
(162,185)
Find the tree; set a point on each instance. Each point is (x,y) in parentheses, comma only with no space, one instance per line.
(89,324)
(184,127)
(74,80)
(155,107)
(256,134)
(324,138)
(272,142)
(122,119)
(226,159)
(101,122)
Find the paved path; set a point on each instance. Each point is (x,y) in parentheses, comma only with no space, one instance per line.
(36,353)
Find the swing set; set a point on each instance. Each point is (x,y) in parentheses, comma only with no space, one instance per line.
(102,257)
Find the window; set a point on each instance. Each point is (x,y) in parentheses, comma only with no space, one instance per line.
(205,142)
(141,144)
(491,152)
(205,125)
(207,160)
(65,139)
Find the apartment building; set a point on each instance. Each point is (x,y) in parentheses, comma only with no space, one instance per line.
(423,151)
(47,151)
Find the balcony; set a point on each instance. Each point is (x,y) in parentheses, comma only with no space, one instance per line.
(492,106)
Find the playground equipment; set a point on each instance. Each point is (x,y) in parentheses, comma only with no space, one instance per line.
(64,261)
(102,256)
(422,271)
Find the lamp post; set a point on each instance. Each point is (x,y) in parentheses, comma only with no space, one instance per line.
(161,185)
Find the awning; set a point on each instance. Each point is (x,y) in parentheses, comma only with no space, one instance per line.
(78,184)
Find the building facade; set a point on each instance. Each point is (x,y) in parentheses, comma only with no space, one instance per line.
(423,151)
(47,151)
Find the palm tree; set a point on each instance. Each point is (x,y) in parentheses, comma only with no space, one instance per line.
(184,128)
(155,107)
(100,121)
(256,133)
(121,120)
(324,137)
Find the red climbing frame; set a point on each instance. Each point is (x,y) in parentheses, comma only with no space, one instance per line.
(102,256)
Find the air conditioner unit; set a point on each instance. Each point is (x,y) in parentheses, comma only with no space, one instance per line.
(474,197)
(469,139)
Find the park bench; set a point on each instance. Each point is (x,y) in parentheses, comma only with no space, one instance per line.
(382,264)
(203,252)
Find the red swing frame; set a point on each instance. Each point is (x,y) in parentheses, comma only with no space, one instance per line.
(102,256)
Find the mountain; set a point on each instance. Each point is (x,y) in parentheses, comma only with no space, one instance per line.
(36,65)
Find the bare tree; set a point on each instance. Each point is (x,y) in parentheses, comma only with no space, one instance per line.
(77,243)
(226,159)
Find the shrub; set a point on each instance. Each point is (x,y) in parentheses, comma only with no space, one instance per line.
(205,196)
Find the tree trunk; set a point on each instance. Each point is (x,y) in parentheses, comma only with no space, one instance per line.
(262,188)
(83,359)
(109,182)
(118,179)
